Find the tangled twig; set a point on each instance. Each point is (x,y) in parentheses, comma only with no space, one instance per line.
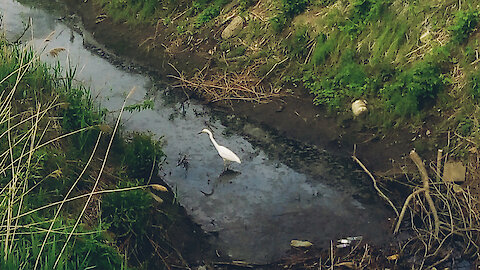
(242,85)
(426,191)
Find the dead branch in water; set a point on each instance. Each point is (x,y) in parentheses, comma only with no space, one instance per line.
(375,183)
(425,180)
(426,191)
(243,85)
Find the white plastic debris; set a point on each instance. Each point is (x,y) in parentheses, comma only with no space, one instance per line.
(359,107)
(345,242)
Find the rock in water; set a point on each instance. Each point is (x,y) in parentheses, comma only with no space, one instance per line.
(233,28)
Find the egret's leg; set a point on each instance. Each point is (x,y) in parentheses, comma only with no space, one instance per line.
(224,164)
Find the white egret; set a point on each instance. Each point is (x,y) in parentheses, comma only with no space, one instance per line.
(226,154)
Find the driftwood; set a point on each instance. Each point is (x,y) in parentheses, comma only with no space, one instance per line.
(375,184)
(426,191)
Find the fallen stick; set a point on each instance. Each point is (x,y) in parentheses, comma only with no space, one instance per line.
(375,184)
(404,208)
(425,179)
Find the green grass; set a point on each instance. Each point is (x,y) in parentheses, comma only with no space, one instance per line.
(49,127)
(387,43)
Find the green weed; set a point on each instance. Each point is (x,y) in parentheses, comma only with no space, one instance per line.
(296,45)
(294,7)
(465,23)
(207,12)
(474,86)
(142,156)
(323,49)
(349,80)
(127,213)
(289,9)
(362,12)
(414,89)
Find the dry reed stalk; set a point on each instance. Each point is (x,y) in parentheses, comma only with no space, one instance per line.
(80,197)
(6,109)
(47,143)
(426,191)
(228,86)
(29,159)
(65,198)
(98,177)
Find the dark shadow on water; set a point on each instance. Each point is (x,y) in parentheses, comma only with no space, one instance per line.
(228,175)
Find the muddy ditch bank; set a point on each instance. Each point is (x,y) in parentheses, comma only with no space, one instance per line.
(293,116)
(291,130)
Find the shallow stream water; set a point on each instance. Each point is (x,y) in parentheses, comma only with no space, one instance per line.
(253,211)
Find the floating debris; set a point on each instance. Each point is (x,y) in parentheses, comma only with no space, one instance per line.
(393,257)
(55,52)
(346,242)
(300,244)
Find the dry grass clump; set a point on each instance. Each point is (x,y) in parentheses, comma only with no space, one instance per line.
(449,222)
(243,85)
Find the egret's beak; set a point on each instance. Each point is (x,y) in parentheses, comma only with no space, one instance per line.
(200,132)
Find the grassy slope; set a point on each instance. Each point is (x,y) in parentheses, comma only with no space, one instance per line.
(40,163)
(416,62)
(412,61)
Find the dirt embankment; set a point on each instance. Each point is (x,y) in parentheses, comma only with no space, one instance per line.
(293,116)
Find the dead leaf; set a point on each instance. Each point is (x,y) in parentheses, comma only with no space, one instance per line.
(393,257)
(457,188)
(159,187)
(105,128)
(100,18)
(56,174)
(298,243)
(156,198)
(56,51)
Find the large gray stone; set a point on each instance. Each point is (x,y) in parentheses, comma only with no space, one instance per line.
(233,28)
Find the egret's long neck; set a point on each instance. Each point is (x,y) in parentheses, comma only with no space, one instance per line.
(213,140)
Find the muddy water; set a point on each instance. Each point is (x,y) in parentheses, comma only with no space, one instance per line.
(252,211)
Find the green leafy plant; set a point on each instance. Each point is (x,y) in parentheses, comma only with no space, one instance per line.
(413,89)
(362,11)
(348,81)
(289,9)
(127,213)
(208,12)
(465,126)
(294,7)
(278,22)
(465,23)
(207,15)
(142,155)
